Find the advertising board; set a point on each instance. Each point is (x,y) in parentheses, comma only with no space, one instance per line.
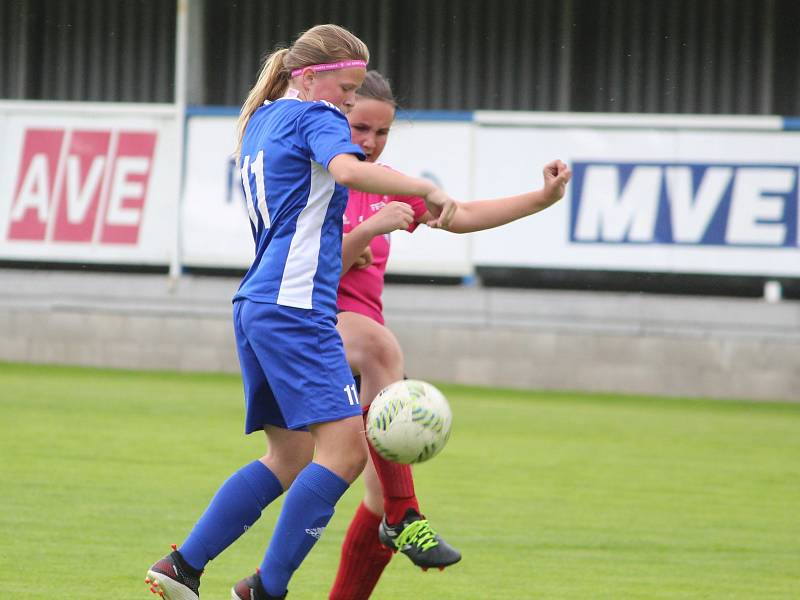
(89,184)
(656,198)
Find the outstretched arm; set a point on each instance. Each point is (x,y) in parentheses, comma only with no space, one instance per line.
(347,170)
(486,214)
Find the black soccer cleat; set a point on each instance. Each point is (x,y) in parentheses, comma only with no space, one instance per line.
(252,589)
(173,579)
(414,537)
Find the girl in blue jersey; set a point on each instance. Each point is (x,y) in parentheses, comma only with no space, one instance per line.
(297,161)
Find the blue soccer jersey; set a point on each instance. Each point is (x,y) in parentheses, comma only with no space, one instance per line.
(295,206)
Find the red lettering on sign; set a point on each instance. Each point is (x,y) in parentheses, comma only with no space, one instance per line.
(34,190)
(128,189)
(84,172)
(82,186)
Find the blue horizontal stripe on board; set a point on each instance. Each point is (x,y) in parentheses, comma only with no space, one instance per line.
(791,123)
(406,115)
(212,111)
(436,115)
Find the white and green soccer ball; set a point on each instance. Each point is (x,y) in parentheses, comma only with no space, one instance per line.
(409,422)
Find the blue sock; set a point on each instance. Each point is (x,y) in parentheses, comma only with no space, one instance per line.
(306,511)
(234,508)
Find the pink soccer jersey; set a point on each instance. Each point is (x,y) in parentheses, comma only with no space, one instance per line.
(360,290)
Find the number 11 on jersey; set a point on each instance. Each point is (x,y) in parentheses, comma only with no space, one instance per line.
(257,169)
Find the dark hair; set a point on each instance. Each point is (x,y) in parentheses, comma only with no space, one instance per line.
(377,87)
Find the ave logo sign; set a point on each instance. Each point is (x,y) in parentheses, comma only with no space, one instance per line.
(696,204)
(81,186)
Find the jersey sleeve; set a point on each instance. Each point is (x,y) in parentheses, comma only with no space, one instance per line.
(417,204)
(326,133)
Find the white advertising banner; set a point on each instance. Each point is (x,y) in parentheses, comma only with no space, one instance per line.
(100,184)
(88,183)
(442,152)
(654,198)
(216,231)
(215,226)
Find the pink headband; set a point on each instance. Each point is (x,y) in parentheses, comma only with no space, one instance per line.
(345,64)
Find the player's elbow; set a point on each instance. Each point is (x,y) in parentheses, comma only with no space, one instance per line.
(345,170)
(348,178)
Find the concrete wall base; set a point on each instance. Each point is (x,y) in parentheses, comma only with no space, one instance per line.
(620,343)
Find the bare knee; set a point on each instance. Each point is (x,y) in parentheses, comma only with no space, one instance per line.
(341,447)
(354,463)
(291,462)
(349,459)
(379,350)
(289,453)
(370,347)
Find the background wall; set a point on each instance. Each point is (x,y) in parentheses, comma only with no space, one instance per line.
(615,342)
(87,50)
(670,56)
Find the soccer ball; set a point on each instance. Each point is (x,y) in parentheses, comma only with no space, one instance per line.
(409,422)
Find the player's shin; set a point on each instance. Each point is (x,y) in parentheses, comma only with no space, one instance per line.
(235,507)
(307,509)
(397,483)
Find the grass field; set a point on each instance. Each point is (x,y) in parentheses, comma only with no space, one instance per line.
(548,495)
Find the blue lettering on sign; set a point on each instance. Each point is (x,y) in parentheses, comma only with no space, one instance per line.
(683,203)
(233,183)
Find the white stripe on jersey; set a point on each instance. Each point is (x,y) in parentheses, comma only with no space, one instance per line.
(261,192)
(297,284)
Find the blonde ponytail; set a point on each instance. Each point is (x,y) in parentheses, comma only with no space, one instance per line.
(271,85)
(319,45)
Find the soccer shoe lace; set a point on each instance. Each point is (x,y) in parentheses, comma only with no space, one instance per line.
(173,579)
(420,534)
(415,538)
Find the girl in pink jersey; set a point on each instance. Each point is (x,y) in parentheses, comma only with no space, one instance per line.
(389,517)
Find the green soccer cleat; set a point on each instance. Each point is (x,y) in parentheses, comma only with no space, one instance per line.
(414,537)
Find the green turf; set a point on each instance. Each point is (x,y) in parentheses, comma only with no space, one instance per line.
(547,495)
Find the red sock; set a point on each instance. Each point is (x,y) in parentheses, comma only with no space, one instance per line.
(398,487)
(363,558)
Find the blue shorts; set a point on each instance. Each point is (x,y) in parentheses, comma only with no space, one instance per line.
(293,367)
